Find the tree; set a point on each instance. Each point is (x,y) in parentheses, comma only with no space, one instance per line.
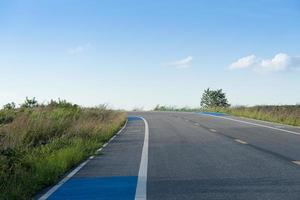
(214,98)
(30,103)
(9,106)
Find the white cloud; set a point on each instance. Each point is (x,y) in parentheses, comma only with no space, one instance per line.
(280,62)
(243,62)
(183,63)
(79,49)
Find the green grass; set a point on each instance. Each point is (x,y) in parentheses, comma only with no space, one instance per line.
(176,109)
(39,145)
(285,114)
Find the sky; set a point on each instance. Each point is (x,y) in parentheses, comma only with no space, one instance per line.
(140,53)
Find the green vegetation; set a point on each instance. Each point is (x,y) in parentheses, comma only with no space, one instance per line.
(285,114)
(210,98)
(214,98)
(216,101)
(40,143)
(175,108)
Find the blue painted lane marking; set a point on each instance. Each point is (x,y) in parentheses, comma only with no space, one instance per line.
(133,118)
(104,188)
(213,113)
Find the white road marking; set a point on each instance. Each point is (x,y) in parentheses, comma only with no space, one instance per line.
(240,141)
(113,137)
(196,124)
(141,188)
(187,120)
(74,171)
(296,162)
(212,130)
(254,124)
(104,145)
(54,188)
(259,120)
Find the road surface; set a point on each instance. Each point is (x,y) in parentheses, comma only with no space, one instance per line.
(171,155)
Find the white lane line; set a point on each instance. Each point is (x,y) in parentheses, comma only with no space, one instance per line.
(104,145)
(111,139)
(74,171)
(296,162)
(212,130)
(141,188)
(54,188)
(240,141)
(254,124)
(267,122)
(196,124)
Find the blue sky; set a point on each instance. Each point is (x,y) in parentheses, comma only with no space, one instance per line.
(141,53)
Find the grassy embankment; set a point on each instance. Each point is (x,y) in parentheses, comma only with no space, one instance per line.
(285,114)
(39,144)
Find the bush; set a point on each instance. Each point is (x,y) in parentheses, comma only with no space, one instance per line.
(6,116)
(41,143)
(9,106)
(174,108)
(214,98)
(29,103)
(62,104)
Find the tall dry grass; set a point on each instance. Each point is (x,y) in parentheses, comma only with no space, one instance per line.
(285,114)
(39,144)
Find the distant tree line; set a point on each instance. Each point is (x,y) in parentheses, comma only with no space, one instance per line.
(210,99)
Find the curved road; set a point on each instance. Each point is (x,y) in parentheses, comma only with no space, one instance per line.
(170,155)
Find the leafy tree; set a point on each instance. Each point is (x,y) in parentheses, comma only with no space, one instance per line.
(61,103)
(9,106)
(214,98)
(30,103)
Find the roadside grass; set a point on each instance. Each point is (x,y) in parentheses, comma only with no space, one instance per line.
(38,145)
(284,114)
(176,109)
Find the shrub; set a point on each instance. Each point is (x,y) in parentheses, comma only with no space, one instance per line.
(29,103)
(41,143)
(285,114)
(9,106)
(214,98)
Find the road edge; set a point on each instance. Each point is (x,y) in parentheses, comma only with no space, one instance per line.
(74,171)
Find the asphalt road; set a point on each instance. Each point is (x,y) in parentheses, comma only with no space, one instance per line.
(192,156)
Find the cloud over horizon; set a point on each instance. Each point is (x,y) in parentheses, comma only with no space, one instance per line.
(183,63)
(79,49)
(280,62)
(243,62)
